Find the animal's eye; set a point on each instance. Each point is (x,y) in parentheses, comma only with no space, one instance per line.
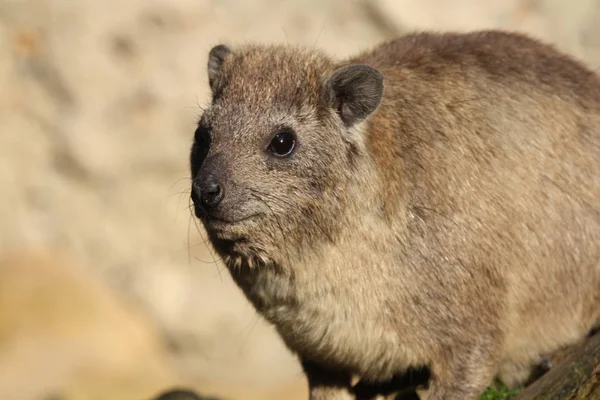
(283,143)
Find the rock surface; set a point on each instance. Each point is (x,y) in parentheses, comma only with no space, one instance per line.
(98,101)
(63,333)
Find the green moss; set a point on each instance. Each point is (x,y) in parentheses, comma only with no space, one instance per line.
(499,392)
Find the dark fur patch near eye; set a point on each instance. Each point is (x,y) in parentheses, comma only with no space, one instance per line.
(200,147)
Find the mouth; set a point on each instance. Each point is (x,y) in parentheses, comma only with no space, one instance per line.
(216,222)
(231,236)
(220,227)
(211,219)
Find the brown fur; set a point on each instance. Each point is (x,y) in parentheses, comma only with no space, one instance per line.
(455,224)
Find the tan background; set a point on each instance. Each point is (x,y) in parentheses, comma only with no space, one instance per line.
(107,290)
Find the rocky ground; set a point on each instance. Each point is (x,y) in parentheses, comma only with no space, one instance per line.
(107,290)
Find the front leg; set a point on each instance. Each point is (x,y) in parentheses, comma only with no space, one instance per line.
(461,374)
(327,384)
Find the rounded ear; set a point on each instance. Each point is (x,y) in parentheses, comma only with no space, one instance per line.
(216,56)
(355,91)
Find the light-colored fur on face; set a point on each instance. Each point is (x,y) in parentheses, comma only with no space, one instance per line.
(455,225)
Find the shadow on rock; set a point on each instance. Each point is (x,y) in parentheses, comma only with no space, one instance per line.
(182,394)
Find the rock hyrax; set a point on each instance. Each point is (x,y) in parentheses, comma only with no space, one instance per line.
(434,201)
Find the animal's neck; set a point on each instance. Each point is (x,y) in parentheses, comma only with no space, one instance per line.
(332,266)
(265,285)
(383,141)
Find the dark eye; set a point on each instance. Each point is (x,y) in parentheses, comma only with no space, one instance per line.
(200,147)
(283,143)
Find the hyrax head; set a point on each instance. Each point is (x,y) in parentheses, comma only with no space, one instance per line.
(276,148)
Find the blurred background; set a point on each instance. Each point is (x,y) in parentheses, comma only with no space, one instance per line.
(107,289)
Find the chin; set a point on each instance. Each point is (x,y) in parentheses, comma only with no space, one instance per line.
(232,230)
(241,255)
(236,237)
(240,251)
(231,238)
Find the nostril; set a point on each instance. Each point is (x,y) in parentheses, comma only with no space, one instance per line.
(212,194)
(196,191)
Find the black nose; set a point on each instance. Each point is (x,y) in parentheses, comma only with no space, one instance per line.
(212,194)
(209,192)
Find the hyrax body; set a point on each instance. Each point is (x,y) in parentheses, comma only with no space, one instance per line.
(432,202)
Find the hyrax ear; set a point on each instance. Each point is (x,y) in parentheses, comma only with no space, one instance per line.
(216,56)
(355,92)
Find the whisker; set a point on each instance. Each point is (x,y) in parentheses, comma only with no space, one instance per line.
(179,203)
(217,264)
(182,192)
(204,239)
(200,106)
(247,332)
(327,14)
(188,241)
(286,36)
(187,178)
